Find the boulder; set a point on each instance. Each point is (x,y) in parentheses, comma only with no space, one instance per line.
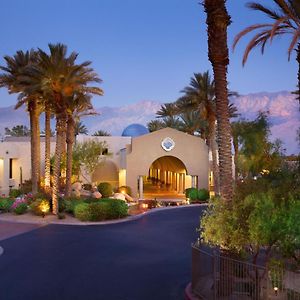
(119,196)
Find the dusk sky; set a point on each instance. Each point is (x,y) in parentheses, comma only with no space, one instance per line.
(143,50)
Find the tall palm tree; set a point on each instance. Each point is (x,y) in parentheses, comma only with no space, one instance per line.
(168,113)
(101,133)
(193,124)
(200,96)
(285,20)
(80,128)
(217,22)
(60,78)
(12,79)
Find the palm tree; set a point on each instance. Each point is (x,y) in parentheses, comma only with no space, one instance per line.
(13,81)
(217,22)
(193,123)
(101,133)
(60,79)
(200,96)
(80,128)
(168,113)
(285,20)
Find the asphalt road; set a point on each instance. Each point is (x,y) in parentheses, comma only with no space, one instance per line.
(149,258)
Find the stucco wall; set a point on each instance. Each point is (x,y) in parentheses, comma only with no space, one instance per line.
(191,150)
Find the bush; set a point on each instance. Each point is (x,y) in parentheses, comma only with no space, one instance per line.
(36,206)
(104,209)
(70,204)
(26,186)
(21,208)
(191,193)
(116,209)
(126,189)
(203,195)
(14,193)
(5,204)
(82,212)
(105,189)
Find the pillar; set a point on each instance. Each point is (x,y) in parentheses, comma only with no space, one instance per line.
(5,181)
(141,187)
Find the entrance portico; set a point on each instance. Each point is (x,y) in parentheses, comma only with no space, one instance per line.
(168,159)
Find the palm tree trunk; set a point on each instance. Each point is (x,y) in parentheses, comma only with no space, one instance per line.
(236,155)
(60,133)
(213,147)
(217,22)
(70,141)
(35,144)
(47,148)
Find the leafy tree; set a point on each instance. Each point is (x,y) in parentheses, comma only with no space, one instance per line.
(285,21)
(87,156)
(101,133)
(217,22)
(18,130)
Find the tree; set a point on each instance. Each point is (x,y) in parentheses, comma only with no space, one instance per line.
(217,22)
(101,133)
(200,96)
(60,78)
(18,130)
(12,79)
(87,156)
(80,128)
(285,20)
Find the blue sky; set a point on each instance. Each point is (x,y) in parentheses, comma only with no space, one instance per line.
(143,50)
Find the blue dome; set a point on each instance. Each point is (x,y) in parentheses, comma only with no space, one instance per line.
(135,130)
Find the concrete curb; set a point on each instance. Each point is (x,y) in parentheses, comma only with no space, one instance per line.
(188,293)
(55,221)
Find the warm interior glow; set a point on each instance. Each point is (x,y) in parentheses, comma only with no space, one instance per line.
(122,177)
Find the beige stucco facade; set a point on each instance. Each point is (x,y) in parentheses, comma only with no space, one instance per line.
(132,160)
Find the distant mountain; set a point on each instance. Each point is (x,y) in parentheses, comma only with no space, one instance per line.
(283,108)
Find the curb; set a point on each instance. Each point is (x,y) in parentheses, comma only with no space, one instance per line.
(79,223)
(188,293)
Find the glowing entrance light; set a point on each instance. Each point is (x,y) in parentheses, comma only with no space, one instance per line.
(167,144)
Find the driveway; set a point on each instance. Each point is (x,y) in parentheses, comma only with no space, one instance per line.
(149,258)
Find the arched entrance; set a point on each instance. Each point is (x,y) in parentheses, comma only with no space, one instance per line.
(167,178)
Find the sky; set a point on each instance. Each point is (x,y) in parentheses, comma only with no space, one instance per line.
(141,49)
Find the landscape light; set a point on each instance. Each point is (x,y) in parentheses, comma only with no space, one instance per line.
(276,290)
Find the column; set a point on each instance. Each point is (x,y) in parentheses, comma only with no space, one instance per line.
(193,181)
(141,187)
(5,181)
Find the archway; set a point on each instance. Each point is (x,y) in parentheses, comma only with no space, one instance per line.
(167,178)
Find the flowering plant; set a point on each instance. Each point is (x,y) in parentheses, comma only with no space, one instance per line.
(18,201)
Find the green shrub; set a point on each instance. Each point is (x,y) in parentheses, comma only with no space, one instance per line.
(191,193)
(36,205)
(70,204)
(203,195)
(21,209)
(116,209)
(124,188)
(14,193)
(98,211)
(105,189)
(5,204)
(82,212)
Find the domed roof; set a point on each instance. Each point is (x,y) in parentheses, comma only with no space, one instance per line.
(135,130)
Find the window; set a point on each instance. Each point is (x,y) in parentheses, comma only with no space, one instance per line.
(10,168)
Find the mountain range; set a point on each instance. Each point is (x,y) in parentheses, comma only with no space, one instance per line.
(282,106)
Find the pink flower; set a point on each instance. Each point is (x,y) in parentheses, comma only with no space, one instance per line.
(18,201)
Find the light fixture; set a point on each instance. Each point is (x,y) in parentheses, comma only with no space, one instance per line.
(276,290)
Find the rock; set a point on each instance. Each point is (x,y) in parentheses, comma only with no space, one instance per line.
(96,195)
(119,196)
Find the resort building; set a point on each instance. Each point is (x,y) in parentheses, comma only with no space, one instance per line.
(161,163)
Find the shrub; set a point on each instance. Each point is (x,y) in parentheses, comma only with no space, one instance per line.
(203,194)
(98,211)
(21,208)
(105,189)
(37,205)
(26,186)
(5,204)
(82,211)
(191,193)
(14,193)
(126,189)
(115,208)
(70,204)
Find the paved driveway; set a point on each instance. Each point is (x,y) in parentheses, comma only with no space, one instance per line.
(148,258)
